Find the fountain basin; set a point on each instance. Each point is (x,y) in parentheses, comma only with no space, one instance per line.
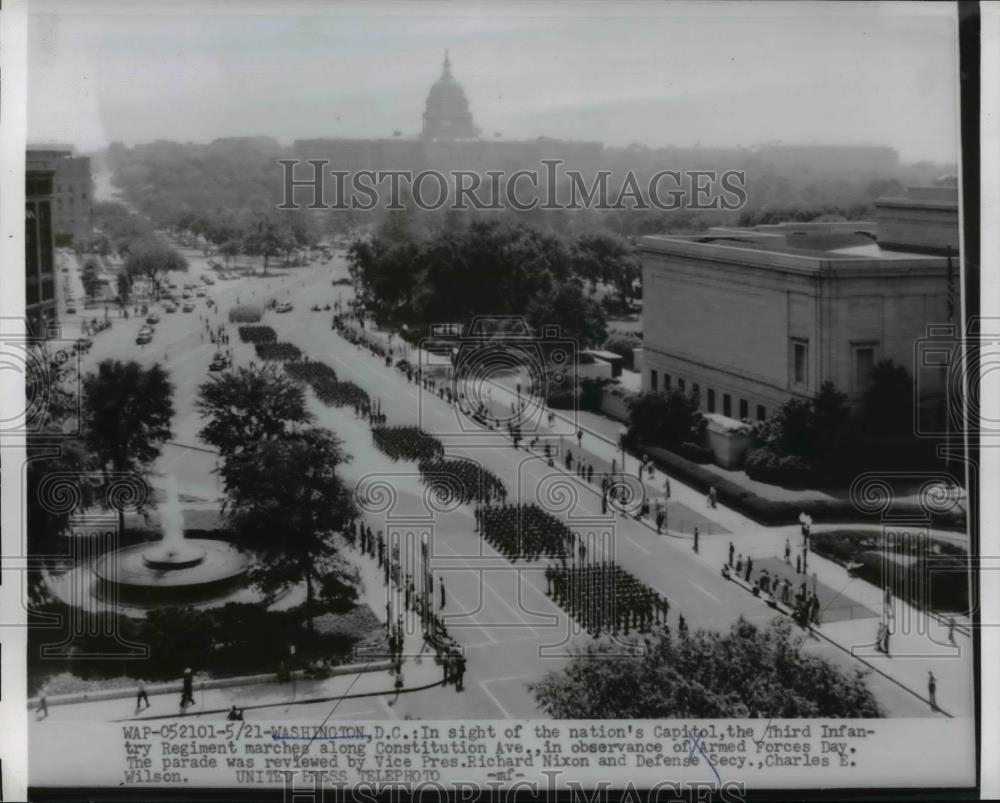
(197,570)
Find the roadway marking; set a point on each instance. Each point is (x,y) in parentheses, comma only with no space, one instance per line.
(706,593)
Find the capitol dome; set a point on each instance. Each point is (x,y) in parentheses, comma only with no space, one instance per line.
(447,115)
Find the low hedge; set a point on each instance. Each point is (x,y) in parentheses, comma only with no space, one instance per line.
(279,352)
(775,512)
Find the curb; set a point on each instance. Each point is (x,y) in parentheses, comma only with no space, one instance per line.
(174,687)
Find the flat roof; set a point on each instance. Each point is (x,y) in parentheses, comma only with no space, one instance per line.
(774,253)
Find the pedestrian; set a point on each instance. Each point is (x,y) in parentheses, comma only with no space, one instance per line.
(459,672)
(235,714)
(695,539)
(659,519)
(604,503)
(579,438)
(879,636)
(951,629)
(43,707)
(713,496)
(932,690)
(798,564)
(441,587)
(731,550)
(749,567)
(682,625)
(187,689)
(885,640)
(590,472)
(141,698)
(739,564)
(788,552)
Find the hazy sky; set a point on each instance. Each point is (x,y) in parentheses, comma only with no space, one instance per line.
(677,74)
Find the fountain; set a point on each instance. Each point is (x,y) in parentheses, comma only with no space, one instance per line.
(174,570)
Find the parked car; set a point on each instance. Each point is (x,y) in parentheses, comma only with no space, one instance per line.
(152,319)
(188,307)
(285,306)
(143,338)
(186,294)
(169,308)
(200,293)
(71,310)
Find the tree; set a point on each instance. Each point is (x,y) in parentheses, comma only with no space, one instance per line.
(607,258)
(153,259)
(124,284)
(247,406)
(127,411)
(666,419)
(747,672)
(90,279)
(285,501)
(578,317)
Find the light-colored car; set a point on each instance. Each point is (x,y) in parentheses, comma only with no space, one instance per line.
(200,293)
(285,306)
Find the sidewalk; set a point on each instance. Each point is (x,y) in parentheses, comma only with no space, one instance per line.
(852,608)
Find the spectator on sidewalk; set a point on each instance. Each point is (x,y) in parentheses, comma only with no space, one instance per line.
(43,707)
(441,586)
(951,629)
(187,689)
(666,487)
(932,690)
(695,539)
(459,672)
(579,438)
(141,698)
(749,567)
(788,552)
(235,714)
(713,497)
(731,550)
(739,564)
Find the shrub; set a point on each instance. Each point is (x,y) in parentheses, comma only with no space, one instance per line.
(623,345)
(764,465)
(695,452)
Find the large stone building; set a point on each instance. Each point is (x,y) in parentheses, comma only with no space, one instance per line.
(449,140)
(751,318)
(39,262)
(73,190)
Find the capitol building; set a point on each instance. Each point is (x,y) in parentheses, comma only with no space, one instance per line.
(449,140)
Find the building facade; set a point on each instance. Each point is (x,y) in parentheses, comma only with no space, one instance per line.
(73,191)
(39,261)
(751,318)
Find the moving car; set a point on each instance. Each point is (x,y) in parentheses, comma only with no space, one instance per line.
(153,319)
(200,293)
(285,306)
(186,294)
(189,307)
(169,308)
(71,310)
(143,338)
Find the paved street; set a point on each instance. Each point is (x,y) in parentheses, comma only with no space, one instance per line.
(498,611)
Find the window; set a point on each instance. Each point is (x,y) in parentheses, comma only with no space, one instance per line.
(761,413)
(682,385)
(864,362)
(727,405)
(666,381)
(711,400)
(800,362)
(654,381)
(744,408)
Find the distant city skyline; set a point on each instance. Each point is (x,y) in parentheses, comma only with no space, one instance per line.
(718,76)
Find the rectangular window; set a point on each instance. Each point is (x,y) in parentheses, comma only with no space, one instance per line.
(727,405)
(654,381)
(864,362)
(666,381)
(761,413)
(696,389)
(711,400)
(744,408)
(682,385)
(800,362)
